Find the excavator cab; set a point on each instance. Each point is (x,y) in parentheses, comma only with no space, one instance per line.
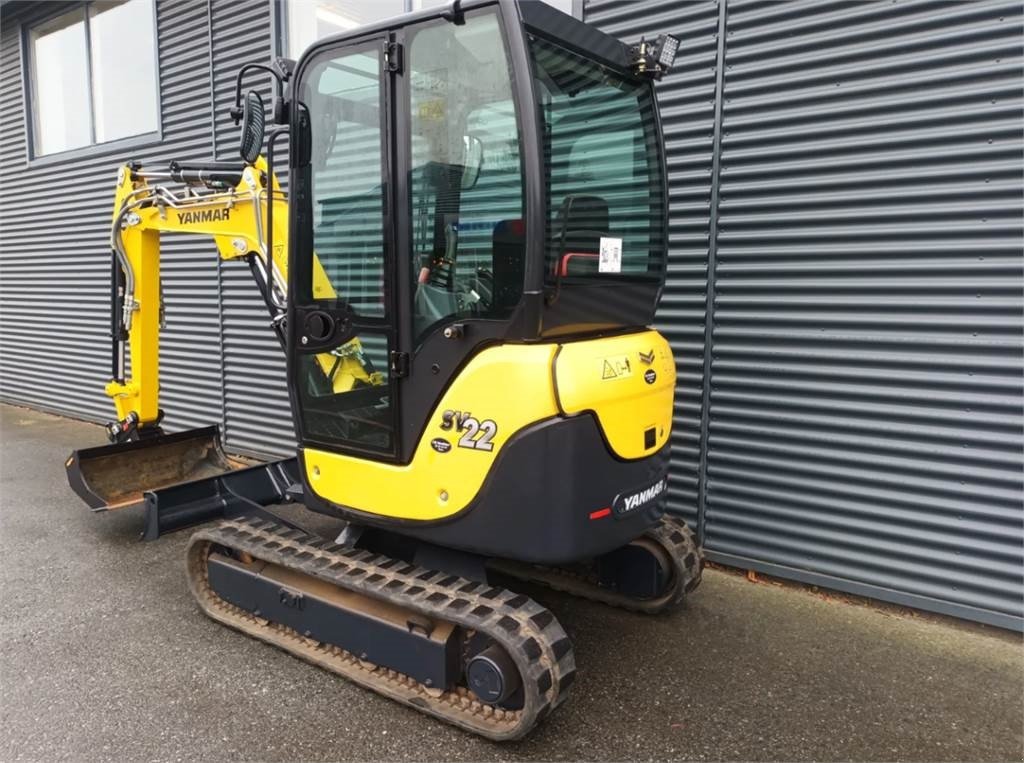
(486,175)
(463,277)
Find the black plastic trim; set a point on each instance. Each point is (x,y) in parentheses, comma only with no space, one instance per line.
(575,35)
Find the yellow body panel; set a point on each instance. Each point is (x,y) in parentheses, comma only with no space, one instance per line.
(509,385)
(628,381)
(513,386)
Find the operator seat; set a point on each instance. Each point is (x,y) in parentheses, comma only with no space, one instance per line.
(581,221)
(508,263)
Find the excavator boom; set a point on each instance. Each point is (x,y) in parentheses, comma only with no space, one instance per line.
(185,477)
(233,215)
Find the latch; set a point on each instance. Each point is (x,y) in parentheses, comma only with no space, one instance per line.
(392,56)
(399,364)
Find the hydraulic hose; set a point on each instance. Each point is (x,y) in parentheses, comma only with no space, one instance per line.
(129,275)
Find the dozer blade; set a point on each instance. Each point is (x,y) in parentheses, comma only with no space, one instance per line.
(117,476)
(183,479)
(239,493)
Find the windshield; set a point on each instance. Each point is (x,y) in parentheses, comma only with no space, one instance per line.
(605,198)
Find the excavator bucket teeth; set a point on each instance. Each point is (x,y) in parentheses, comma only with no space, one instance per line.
(117,476)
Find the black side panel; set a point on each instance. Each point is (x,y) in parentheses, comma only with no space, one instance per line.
(579,308)
(537,503)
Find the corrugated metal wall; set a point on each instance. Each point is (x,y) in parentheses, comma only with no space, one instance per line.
(864,418)
(190,354)
(258,416)
(51,326)
(54,255)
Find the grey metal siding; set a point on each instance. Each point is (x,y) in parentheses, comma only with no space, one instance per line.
(257,413)
(51,328)
(866,379)
(864,426)
(54,256)
(190,360)
(219,360)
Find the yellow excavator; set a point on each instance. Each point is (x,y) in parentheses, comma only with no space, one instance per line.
(462,276)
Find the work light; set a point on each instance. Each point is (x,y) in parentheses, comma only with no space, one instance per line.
(653,59)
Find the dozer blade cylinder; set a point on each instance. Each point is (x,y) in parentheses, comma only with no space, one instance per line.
(117,476)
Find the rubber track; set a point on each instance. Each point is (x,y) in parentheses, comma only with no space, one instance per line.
(527,631)
(672,534)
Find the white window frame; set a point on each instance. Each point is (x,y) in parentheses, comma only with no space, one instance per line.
(92,148)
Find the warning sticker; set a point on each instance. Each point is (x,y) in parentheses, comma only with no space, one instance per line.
(610,260)
(616,367)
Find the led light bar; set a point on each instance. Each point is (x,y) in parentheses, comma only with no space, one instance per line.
(653,59)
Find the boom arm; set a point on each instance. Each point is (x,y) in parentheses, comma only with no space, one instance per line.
(234,216)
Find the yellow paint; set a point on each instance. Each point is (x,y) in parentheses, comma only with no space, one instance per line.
(139,393)
(625,403)
(234,219)
(510,385)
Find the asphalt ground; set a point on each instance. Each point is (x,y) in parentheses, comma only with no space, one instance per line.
(104,656)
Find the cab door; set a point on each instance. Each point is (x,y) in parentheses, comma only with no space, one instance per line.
(463,240)
(343,361)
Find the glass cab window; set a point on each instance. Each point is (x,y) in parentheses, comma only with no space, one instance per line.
(348,198)
(605,195)
(345,389)
(465,180)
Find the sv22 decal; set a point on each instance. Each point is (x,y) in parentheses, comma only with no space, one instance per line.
(477,435)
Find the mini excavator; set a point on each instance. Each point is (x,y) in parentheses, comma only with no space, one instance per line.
(462,276)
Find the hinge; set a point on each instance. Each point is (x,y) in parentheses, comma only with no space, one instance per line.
(399,364)
(393,56)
